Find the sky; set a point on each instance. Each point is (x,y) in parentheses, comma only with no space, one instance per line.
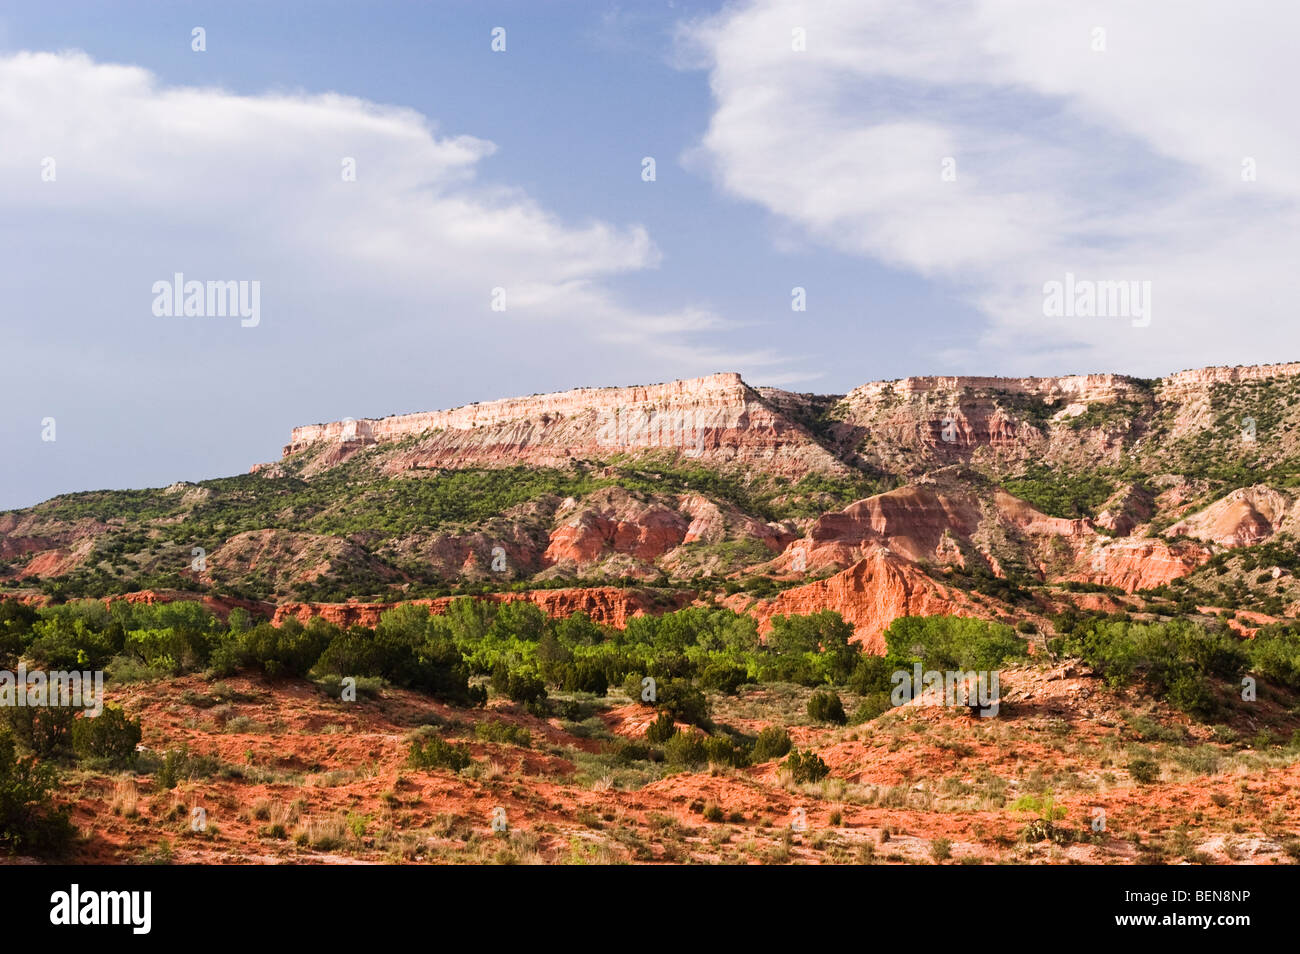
(431,221)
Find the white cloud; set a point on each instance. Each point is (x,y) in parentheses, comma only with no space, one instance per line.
(254,183)
(375,294)
(1116,164)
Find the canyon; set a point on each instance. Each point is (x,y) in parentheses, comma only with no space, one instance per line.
(938,494)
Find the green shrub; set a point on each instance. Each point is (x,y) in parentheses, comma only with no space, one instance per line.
(508,733)
(43,731)
(28,824)
(518,686)
(873,705)
(179,765)
(687,749)
(772,743)
(806,766)
(435,752)
(681,700)
(661,729)
(940,849)
(1176,659)
(721,750)
(723,677)
(1143,770)
(585,677)
(1275,653)
(109,738)
(951,643)
(290,649)
(825,706)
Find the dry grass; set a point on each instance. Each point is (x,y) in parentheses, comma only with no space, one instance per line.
(126,798)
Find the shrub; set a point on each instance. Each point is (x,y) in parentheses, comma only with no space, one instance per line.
(952,643)
(723,677)
(679,699)
(772,743)
(721,750)
(1275,653)
(169,649)
(661,729)
(632,685)
(825,706)
(813,649)
(585,677)
(504,732)
(109,738)
(686,749)
(290,649)
(1143,770)
(519,686)
(435,752)
(1175,659)
(356,653)
(179,765)
(806,766)
(44,731)
(873,705)
(27,823)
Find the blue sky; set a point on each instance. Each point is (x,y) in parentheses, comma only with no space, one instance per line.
(776,168)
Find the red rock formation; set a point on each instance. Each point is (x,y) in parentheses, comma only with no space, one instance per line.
(870,595)
(606,605)
(1138,563)
(1198,378)
(219,606)
(612,520)
(1242,518)
(913,521)
(718,419)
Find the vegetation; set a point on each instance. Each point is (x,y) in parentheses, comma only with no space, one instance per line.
(28,823)
(806,766)
(1059,493)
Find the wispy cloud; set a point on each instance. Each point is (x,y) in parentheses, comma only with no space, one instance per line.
(259,179)
(1103,139)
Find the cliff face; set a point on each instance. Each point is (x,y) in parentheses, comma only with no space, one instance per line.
(961,526)
(606,605)
(914,425)
(870,595)
(1243,517)
(718,488)
(716,419)
(1198,378)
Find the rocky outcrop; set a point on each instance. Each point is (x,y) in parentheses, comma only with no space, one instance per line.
(638,534)
(286,557)
(1198,378)
(953,525)
(613,520)
(1131,506)
(1242,518)
(916,522)
(606,605)
(716,419)
(1138,563)
(870,595)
